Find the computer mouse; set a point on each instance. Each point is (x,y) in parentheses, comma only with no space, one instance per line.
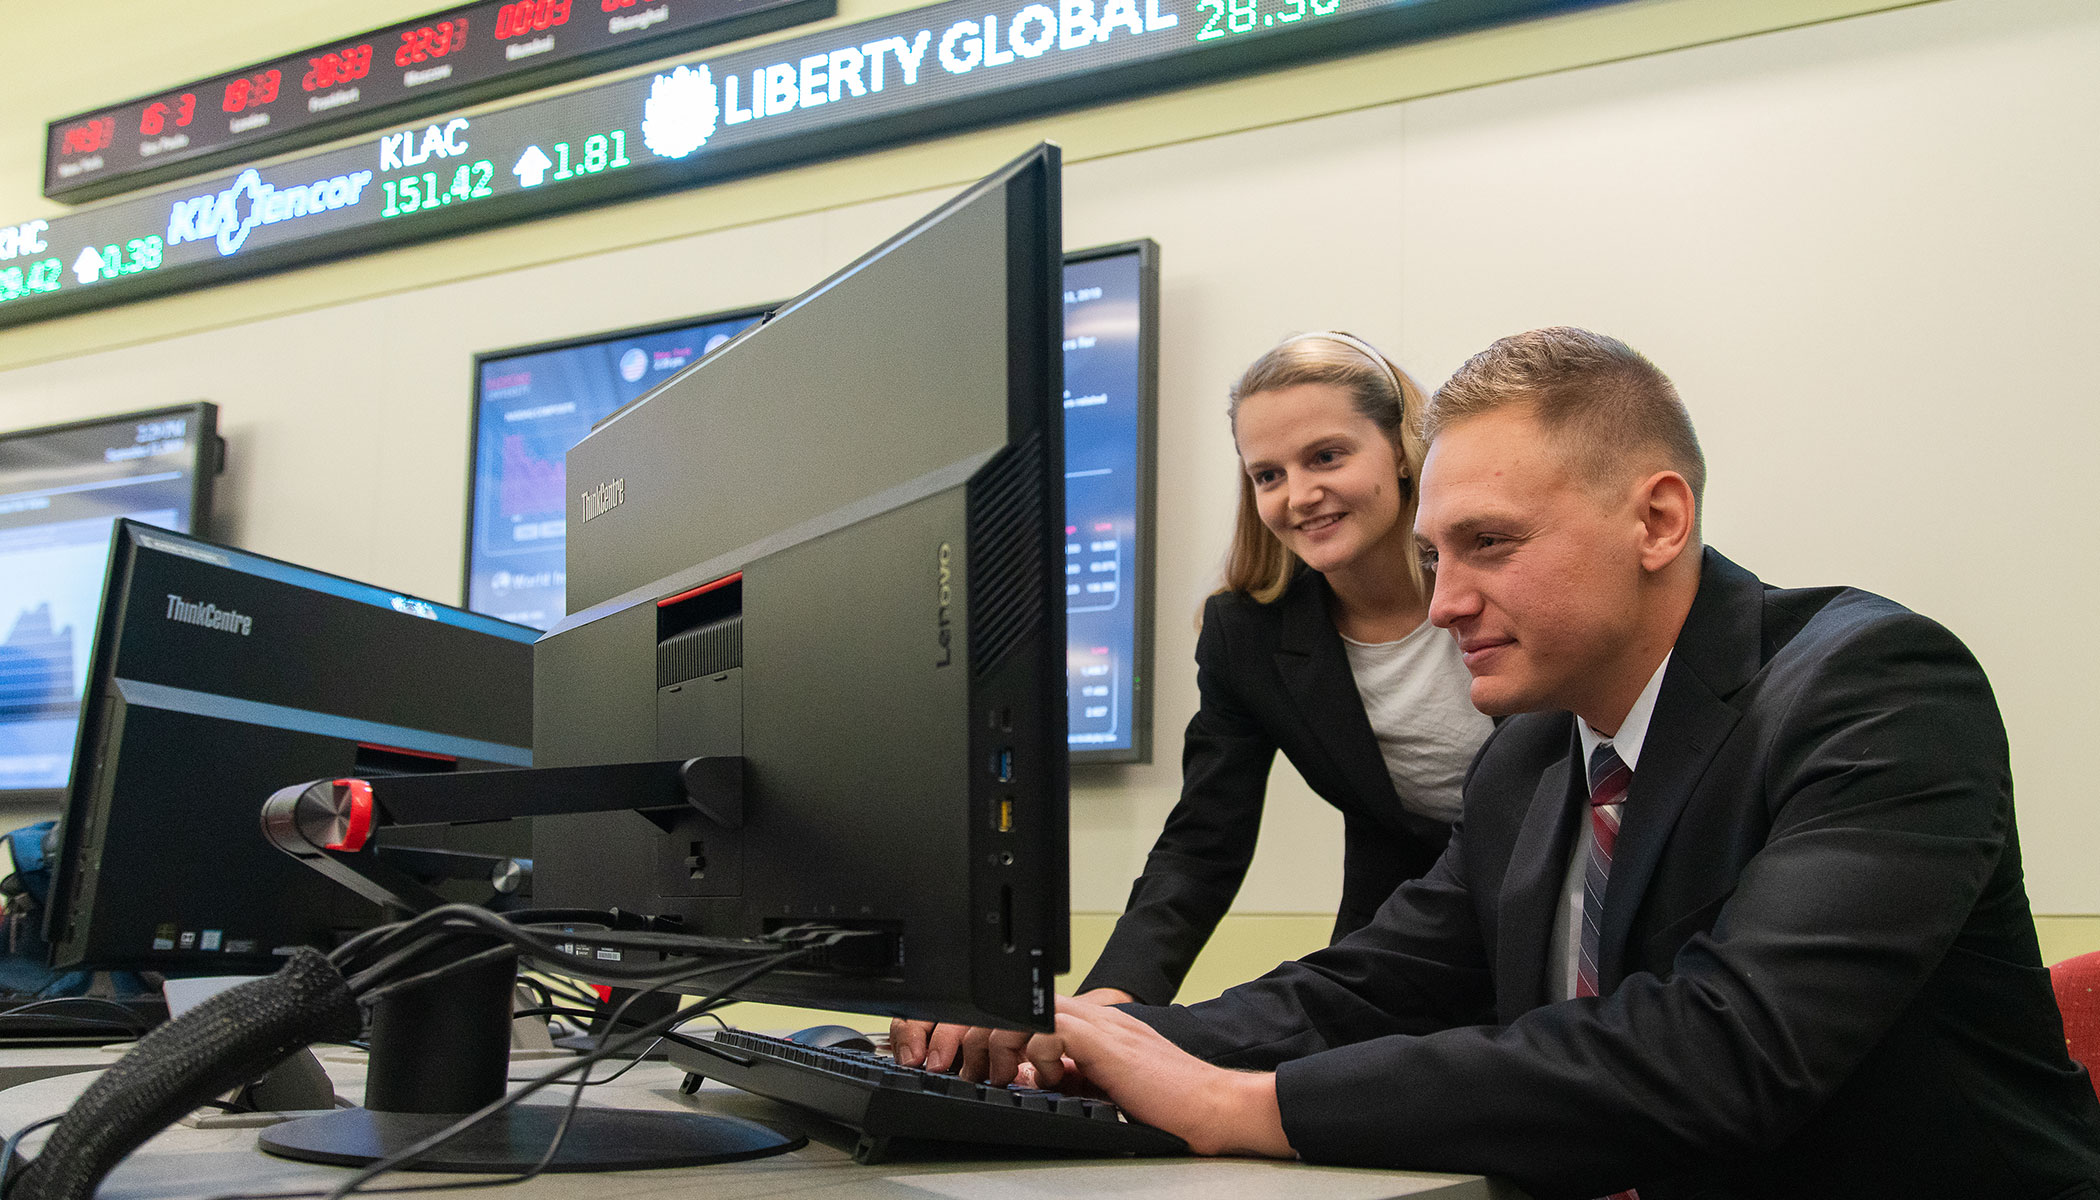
(833,1037)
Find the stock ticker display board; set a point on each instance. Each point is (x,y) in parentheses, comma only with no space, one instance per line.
(910,74)
(461,55)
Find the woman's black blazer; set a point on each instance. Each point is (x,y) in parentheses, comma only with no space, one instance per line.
(1271,677)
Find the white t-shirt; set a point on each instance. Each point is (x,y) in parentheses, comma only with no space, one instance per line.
(1416,692)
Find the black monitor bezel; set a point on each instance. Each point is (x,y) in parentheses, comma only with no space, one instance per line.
(210,461)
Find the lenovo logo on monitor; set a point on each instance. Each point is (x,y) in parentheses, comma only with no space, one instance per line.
(947,598)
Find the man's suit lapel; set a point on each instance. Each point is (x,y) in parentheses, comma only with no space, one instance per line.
(1315,670)
(1717,652)
(1530,899)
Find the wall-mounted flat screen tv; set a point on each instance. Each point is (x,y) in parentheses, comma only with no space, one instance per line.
(532,403)
(61,489)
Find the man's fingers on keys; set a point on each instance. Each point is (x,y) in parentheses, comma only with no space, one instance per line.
(908,1040)
(1046,1056)
(1009,1052)
(976,1048)
(944,1047)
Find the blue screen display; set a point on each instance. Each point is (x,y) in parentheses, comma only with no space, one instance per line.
(60,489)
(1103,410)
(532,408)
(534,405)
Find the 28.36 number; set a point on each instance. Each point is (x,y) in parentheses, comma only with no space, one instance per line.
(1228,17)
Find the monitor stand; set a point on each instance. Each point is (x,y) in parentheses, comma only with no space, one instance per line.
(442,1050)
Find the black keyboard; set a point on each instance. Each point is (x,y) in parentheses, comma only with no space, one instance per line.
(885,1101)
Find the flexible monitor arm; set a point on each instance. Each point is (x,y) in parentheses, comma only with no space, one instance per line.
(328,824)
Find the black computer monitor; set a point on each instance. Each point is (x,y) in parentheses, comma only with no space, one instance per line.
(829,554)
(217,676)
(60,486)
(532,403)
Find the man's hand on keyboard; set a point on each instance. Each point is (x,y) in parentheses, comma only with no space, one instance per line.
(1214,1110)
(967,1049)
(958,1048)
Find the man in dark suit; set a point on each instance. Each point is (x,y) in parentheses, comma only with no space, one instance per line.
(1790,955)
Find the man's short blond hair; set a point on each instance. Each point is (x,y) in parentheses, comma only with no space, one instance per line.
(1602,400)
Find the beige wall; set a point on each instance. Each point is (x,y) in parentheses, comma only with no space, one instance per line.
(1863,242)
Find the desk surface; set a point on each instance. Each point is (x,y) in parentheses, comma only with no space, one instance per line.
(187,1163)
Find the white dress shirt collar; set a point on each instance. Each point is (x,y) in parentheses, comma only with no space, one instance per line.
(1633,730)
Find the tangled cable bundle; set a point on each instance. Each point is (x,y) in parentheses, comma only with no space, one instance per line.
(221,1044)
(237,1035)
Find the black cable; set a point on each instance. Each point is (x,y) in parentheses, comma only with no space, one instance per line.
(127,1018)
(557,985)
(381,936)
(56,1001)
(583,1063)
(354,946)
(609,1048)
(370,994)
(427,934)
(448,920)
(588,1082)
(581,1015)
(556,1010)
(669,1035)
(530,936)
(453,920)
(374,993)
(14,1141)
(72,1026)
(563,983)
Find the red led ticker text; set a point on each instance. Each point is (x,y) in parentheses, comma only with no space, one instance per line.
(154,118)
(530,16)
(347,65)
(430,41)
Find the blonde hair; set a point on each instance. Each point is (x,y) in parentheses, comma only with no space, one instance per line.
(1260,565)
(1601,399)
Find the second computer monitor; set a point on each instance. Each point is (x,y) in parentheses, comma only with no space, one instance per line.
(219,676)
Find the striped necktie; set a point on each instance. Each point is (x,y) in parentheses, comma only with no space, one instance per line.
(1609,778)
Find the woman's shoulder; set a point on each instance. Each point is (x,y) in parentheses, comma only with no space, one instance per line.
(1237,612)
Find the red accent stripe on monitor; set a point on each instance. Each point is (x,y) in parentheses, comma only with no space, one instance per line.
(702,590)
(450,758)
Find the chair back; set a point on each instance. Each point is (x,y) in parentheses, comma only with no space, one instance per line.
(2077,984)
